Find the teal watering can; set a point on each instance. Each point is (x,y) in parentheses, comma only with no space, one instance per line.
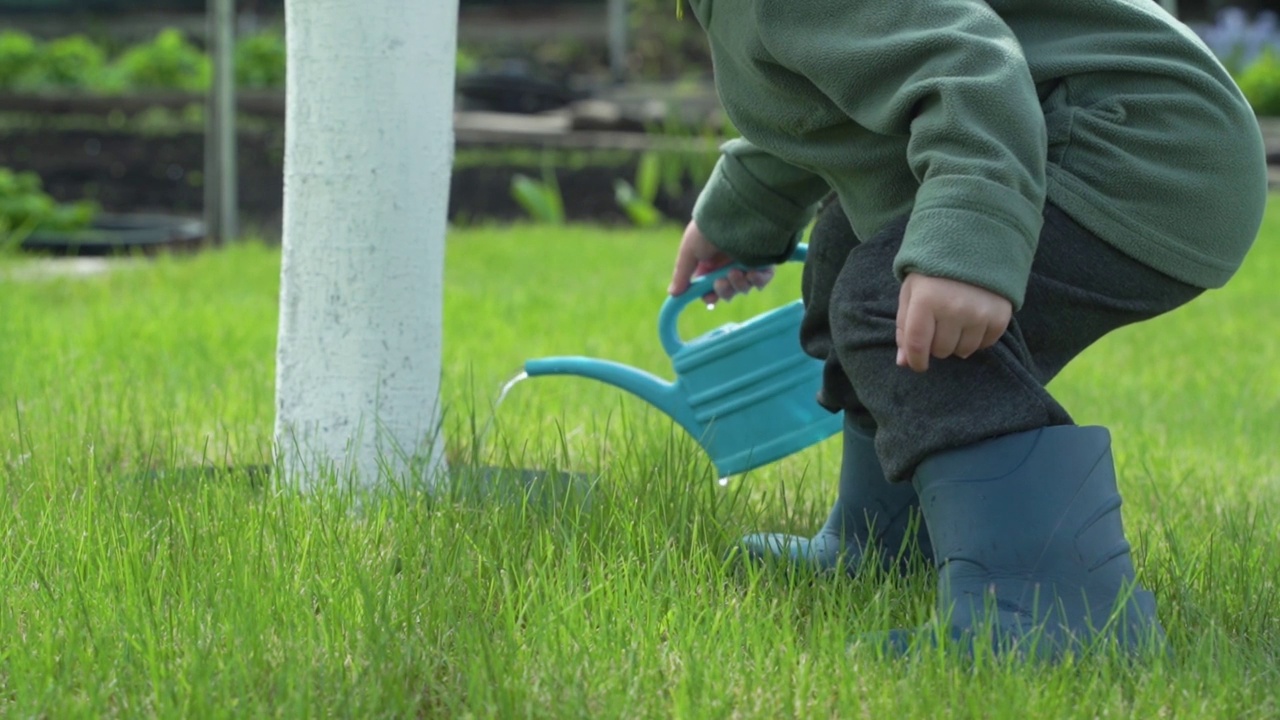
(746,392)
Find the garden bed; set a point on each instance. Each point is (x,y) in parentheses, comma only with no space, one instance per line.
(146,154)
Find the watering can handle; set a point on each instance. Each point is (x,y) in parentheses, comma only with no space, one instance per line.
(701,285)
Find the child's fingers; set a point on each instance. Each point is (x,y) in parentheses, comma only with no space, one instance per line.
(900,322)
(993,334)
(695,256)
(739,282)
(738,279)
(731,285)
(946,338)
(686,263)
(719,288)
(918,326)
(970,341)
(760,278)
(724,291)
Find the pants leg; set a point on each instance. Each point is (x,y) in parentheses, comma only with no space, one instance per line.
(830,242)
(1079,290)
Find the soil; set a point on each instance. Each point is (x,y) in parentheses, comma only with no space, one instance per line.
(127,172)
(163,173)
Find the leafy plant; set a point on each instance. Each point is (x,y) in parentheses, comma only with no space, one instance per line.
(25,208)
(665,44)
(18,54)
(667,172)
(637,202)
(1260,83)
(465,62)
(169,62)
(260,60)
(696,165)
(541,199)
(1249,47)
(74,61)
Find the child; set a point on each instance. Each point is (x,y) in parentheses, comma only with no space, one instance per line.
(1013,179)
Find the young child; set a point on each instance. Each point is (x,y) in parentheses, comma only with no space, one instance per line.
(1013,179)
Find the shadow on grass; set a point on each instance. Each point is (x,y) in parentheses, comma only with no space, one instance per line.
(466,484)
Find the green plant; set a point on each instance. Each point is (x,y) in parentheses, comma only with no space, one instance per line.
(260,60)
(703,149)
(465,62)
(1260,83)
(541,199)
(668,171)
(74,61)
(637,202)
(18,54)
(25,208)
(169,62)
(664,44)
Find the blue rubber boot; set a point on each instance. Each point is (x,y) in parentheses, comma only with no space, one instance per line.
(870,512)
(1030,547)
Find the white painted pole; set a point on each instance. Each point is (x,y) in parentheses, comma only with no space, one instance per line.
(224,79)
(368,157)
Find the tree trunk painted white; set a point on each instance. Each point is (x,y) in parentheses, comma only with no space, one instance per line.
(368,156)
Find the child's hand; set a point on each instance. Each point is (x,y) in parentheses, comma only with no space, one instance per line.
(942,317)
(697,256)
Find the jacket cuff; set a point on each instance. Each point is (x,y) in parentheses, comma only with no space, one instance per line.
(975,231)
(743,217)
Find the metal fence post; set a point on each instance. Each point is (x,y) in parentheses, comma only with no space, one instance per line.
(618,22)
(221,211)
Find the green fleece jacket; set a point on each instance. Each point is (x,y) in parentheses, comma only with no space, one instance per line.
(968,115)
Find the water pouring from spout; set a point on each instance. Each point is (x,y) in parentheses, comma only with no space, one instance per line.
(493,412)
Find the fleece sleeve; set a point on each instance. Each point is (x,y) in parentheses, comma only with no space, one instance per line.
(755,205)
(950,76)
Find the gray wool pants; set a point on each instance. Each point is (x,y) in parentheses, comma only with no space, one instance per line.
(1079,290)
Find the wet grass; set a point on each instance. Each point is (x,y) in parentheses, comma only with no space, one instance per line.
(148,568)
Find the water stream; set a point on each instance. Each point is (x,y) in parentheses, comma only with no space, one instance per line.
(502,394)
(493,412)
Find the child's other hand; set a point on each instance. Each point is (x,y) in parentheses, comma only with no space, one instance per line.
(942,317)
(697,256)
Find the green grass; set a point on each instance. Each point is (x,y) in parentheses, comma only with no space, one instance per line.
(133,586)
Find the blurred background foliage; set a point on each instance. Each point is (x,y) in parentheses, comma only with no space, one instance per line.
(79,43)
(662,47)
(532,55)
(1187,9)
(168,61)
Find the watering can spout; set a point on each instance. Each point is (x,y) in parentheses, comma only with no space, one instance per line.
(646,386)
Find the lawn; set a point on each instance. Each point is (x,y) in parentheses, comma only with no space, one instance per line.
(134,583)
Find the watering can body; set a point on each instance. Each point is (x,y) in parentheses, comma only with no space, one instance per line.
(746,392)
